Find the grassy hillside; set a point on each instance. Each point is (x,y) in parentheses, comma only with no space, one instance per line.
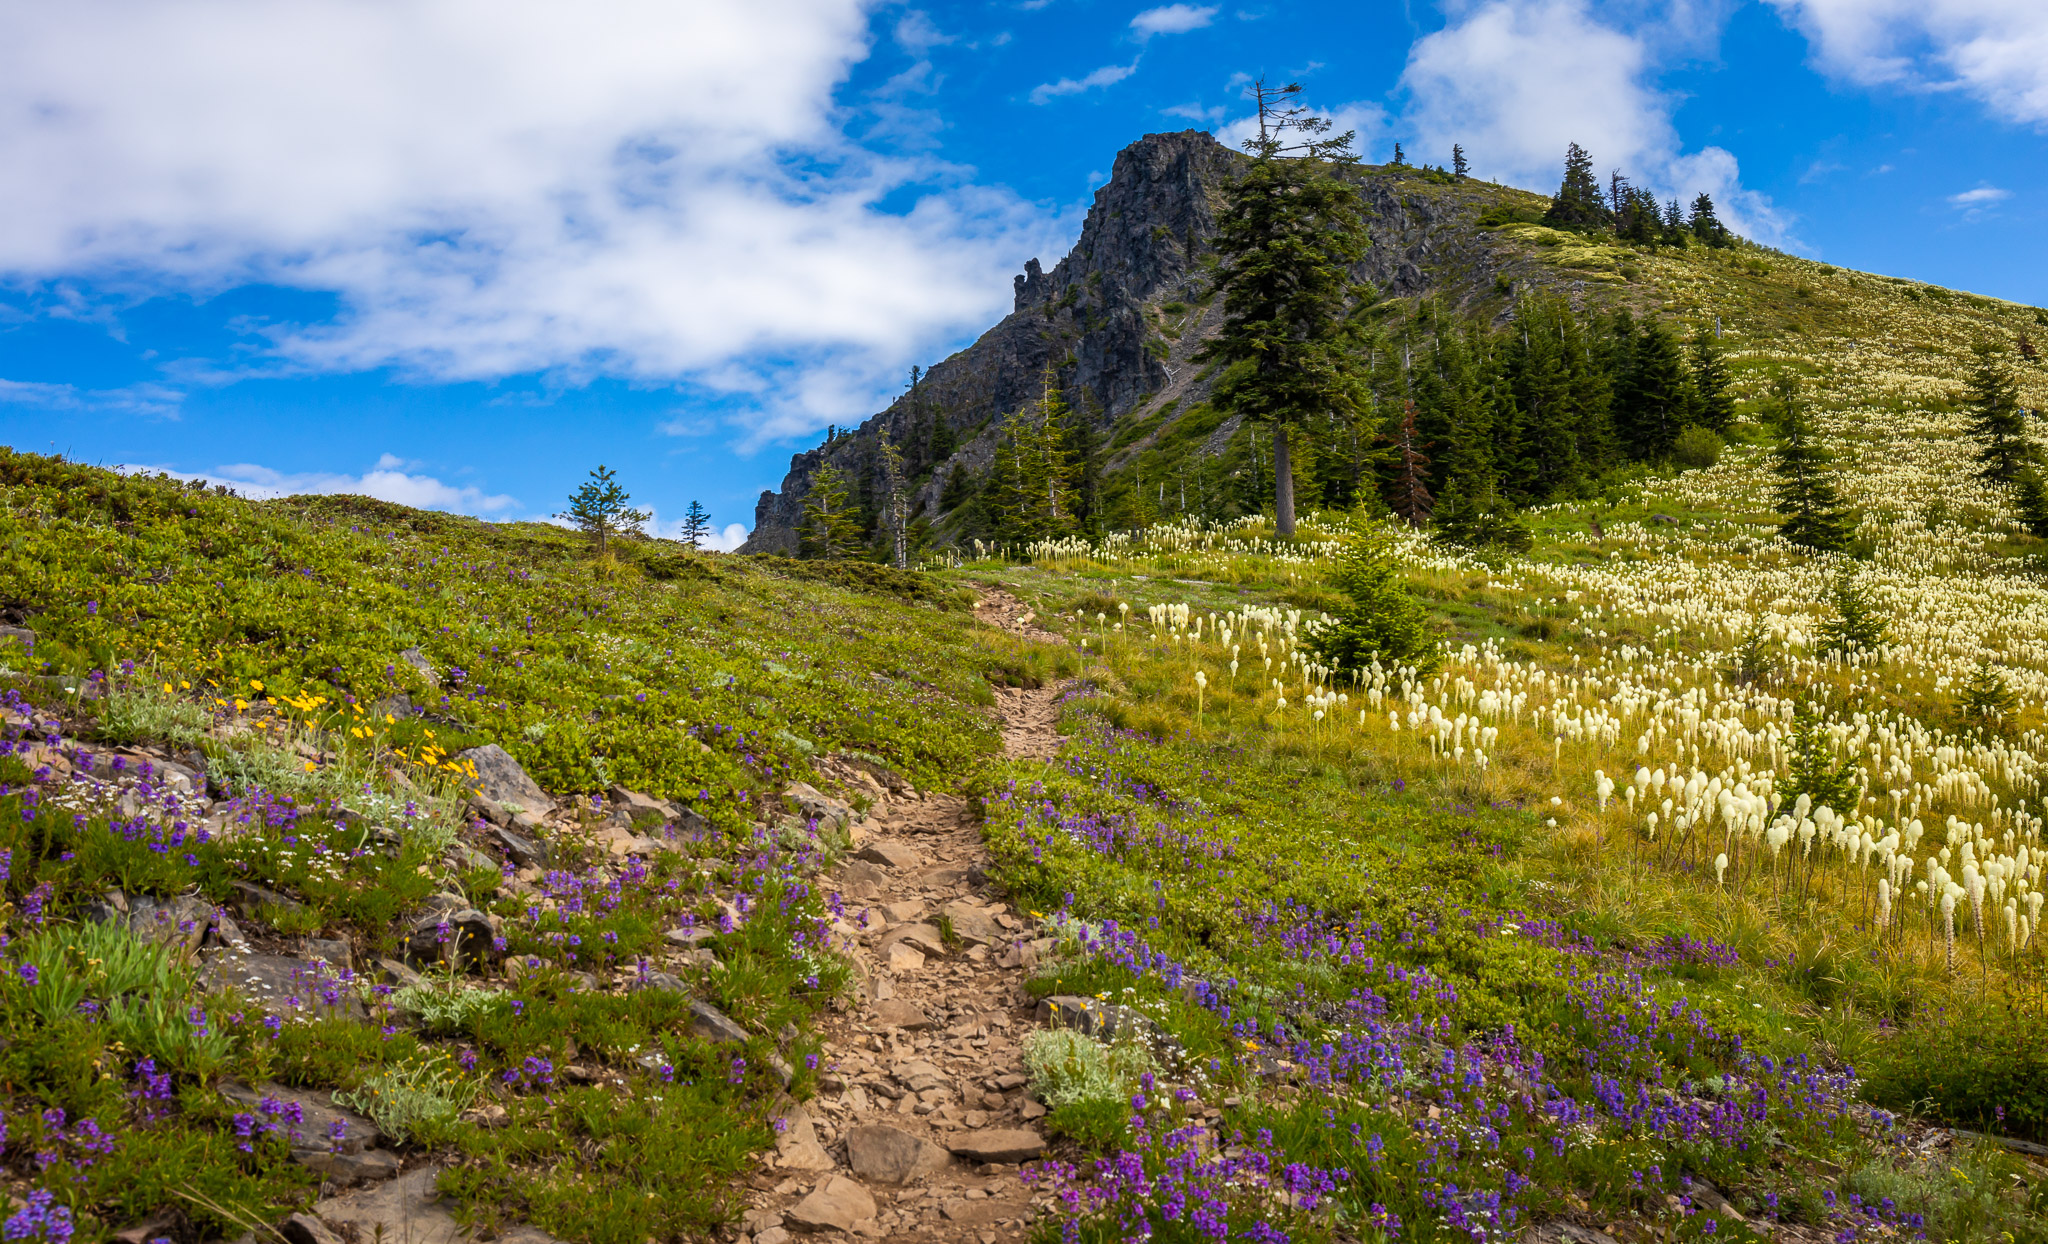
(1537,933)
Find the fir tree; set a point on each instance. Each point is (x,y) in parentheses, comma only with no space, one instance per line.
(2030,499)
(1399,158)
(1458,166)
(1674,225)
(1812,512)
(696,525)
(1287,235)
(830,530)
(1996,421)
(1713,406)
(1578,204)
(959,487)
(1479,518)
(1654,396)
(1408,493)
(601,507)
(1706,226)
(1380,620)
(1986,696)
(1857,625)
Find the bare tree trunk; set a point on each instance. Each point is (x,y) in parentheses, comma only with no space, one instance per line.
(902,541)
(1283,483)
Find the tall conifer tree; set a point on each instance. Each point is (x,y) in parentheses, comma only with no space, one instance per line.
(1812,511)
(1288,234)
(1996,421)
(1578,203)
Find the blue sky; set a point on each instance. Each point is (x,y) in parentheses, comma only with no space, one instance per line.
(456,252)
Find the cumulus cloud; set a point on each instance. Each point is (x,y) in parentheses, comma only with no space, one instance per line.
(1995,50)
(1367,121)
(640,189)
(1516,81)
(387,481)
(1108,75)
(1172,19)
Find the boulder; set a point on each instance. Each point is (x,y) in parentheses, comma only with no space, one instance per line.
(318,1116)
(812,804)
(524,851)
(901,957)
(633,803)
(179,922)
(282,983)
(837,1205)
(345,1170)
(499,778)
(334,952)
(461,938)
(1015,1144)
(1088,1016)
(306,1229)
(408,1209)
(886,1155)
(418,661)
(18,635)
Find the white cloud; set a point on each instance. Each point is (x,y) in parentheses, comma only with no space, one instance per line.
(917,34)
(1172,19)
(384,482)
(1516,81)
(726,541)
(1108,75)
(1995,50)
(160,401)
(1368,121)
(1196,112)
(1982,196)
(642,189)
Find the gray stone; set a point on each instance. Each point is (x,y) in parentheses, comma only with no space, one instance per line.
(281,983)
(860,877)
(661,981)
(395,973)
(463,939)
(18,635)
(500,778)
(924,937)
(886,1155)
(633,803)
(709,1022)
(332,951)
(155,1227)
(983,1213)
(306,1229)
(250,896)
(405,1210)
(348,1169)
(418,660)
(524,851)
(836,1205)
(1088,1016)
(485,808)
(1015,1144)
(695,935)
(1564,1233)
(318,1115)
(180,922)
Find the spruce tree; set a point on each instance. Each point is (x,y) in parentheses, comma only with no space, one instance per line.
(1713,405)
(1399,158)
(2030,499)
(1812,512)
(830,529)
(1289,231)
(1996,420)
(1578,203)
(696,525)
(1458,166)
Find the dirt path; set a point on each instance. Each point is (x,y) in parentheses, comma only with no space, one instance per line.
(921,1123)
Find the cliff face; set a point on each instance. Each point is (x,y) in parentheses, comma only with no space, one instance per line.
(1122,315)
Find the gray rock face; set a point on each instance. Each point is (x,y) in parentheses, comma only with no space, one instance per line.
(1142,249)
(500,779)
(708,1021)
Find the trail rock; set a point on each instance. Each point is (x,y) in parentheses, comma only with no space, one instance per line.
(889,855)
(859,877)
(901,1013)
(885,1155)
(500,778)
(998,1145)
(924,937)
(345,1170)
(306,1229)
(901,957)
(811,803)
(837,1205)
(796,1140)
(972,924)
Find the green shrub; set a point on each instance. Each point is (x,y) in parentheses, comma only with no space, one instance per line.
(1381,619)
(416,1100)
(1696,449)
(1981,1065)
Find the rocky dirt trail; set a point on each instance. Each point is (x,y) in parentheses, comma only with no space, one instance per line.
(922,1121)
